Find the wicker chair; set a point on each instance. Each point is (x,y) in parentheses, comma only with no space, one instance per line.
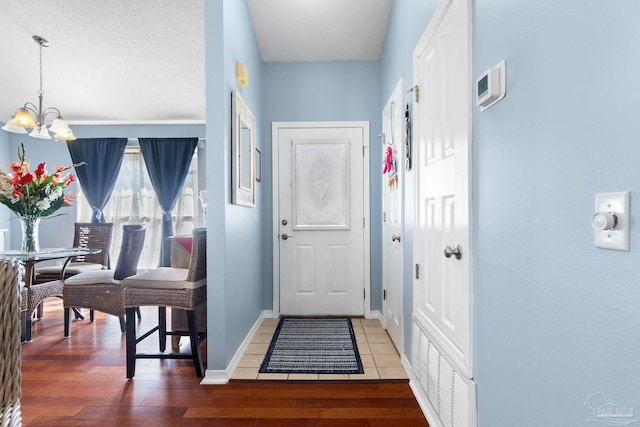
(102,290)
(169,287)
(11,274)
(86,235)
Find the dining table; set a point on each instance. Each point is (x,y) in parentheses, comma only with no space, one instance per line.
(30,259)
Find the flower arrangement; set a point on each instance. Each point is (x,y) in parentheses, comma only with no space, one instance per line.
(35,194)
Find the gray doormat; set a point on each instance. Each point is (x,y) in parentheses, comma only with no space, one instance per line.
(313,346)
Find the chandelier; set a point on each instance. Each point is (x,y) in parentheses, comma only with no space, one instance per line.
(33,117)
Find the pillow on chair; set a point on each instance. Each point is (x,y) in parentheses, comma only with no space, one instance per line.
(163,278)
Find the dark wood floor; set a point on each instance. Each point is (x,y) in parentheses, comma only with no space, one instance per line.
(81,382)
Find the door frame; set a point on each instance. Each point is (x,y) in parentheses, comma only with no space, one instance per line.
(275,179)
(396,92)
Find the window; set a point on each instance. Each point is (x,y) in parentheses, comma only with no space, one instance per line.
(133,201)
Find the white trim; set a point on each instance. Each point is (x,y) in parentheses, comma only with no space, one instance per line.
(375,314)
(275,128)
(223,376)
(429,32)
(134,122)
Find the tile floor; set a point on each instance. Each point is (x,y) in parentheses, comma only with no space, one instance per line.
(380,359)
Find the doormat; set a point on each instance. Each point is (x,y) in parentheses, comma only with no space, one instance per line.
(313,346)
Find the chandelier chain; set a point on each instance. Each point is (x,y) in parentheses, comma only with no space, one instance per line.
(41,92)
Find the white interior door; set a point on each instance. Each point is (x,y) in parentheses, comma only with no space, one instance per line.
(392,214)
(442,131)
(320,219)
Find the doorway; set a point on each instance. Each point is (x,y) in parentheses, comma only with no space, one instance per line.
(321,218)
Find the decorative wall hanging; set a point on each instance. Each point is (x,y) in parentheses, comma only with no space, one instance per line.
(407,137)
(390,167)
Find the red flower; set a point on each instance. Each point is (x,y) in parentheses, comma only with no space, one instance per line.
(40,170)
(25,179)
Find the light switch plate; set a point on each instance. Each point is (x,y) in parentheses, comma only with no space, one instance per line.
(618,204)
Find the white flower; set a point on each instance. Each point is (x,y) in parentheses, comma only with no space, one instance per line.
(56,193)
(43,204)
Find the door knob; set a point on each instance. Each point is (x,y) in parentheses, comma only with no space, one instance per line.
(395,238)
(455,251)
(285,236)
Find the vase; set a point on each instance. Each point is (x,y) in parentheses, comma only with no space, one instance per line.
(30,225)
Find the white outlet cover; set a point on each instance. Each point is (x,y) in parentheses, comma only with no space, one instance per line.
(618,204)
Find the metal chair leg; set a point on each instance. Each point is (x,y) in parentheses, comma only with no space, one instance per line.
(162,328)
(131,341)
(67,322)
(195,343)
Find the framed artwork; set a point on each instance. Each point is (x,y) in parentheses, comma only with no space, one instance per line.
(243,140)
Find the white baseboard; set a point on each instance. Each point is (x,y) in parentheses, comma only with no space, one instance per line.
(375,314)
(223,376)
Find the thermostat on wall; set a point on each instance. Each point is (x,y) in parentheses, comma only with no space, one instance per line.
(491,86)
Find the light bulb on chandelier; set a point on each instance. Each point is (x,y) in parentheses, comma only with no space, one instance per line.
(33,117)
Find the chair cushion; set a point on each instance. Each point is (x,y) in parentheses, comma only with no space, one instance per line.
(72,268)
(91,277)
(163,278)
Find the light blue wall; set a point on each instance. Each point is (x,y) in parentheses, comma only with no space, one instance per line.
(5,159)
(325,91)
(407,22)
(555,318)
(236,278)
(246,277)
(57,231)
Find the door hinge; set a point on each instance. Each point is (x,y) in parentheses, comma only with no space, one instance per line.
(416,92)
(363,222)
(363,148)
(384,217)
(417,271)
(364,293)
(384,295)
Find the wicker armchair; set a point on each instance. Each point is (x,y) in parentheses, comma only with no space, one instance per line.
(102,290)
(169,287)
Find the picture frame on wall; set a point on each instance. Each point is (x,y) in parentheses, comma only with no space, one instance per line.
(243,140)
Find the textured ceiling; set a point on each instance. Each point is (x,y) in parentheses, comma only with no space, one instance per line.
(319,30)
(140,61)
(118,60)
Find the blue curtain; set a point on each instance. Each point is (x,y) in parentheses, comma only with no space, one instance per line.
(167,161)
(98,177)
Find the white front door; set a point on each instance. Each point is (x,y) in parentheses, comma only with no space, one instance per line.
(392,213)
(319,218)
(442,140)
